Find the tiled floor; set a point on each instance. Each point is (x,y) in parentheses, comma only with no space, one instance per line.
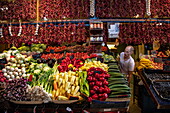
(134,108)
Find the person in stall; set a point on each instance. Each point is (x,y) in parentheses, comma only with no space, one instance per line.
(126,62)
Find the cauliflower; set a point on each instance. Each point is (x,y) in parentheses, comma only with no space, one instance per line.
(46,68)
(37,71)
(40,66)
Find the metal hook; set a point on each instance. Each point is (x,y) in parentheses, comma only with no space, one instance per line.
(34,110)
(84,107)
(43,108)
(16,108)
(56,108)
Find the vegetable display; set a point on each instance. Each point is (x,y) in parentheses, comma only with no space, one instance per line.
(16,67)
(2,77)
(98,83)
(117,83)
(38,48)
(65,85)
(57,76)
(40,76)
(84,84)
(16,90)
(52,56)
(70,64)
(37,93)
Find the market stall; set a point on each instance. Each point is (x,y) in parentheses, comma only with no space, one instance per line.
(61,56)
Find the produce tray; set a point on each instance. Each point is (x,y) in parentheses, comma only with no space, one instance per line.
(27,102)
(64,101)
(155,75)
(162,89)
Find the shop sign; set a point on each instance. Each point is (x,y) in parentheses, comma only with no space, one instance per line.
(113,30)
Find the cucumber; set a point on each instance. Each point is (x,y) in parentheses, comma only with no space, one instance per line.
(115,96)
(120,86)
(116,79)
(115,73)
(113,70)
(116,82)
(120,89)
(113,66)
(109,64)
(122,93)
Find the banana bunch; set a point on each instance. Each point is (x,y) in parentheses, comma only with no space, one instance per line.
(145,63)
(88,65)
(65,84)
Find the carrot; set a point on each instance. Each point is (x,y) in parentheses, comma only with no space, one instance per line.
(55,85)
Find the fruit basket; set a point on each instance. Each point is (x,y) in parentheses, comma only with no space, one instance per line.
(162,89)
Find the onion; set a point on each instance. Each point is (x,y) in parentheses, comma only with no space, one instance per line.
(5,74)
(8,77)
(4,70)
(7,67)
(12,69)
(16,73)
(12,76)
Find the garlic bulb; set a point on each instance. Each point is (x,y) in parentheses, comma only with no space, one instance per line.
(148,4)
(1,34)
(36,31)
(92,8)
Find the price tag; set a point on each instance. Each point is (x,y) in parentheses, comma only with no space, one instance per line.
(108,109)
(51,51)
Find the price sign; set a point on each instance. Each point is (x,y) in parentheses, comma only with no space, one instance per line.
(51,50)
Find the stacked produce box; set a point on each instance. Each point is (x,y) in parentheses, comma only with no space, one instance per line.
(48,74)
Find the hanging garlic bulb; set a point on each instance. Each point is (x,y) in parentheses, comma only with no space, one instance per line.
(92,8)
(20,29)
(148,8)
(36,31)
(1,34)
(10,33)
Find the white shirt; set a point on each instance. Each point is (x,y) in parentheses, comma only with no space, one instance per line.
(126,66)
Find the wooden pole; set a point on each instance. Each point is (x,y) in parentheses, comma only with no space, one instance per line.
(37,10)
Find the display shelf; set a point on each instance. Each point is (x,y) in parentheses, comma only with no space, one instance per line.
(27,102)
(64,101)
(119,20)
(160,104)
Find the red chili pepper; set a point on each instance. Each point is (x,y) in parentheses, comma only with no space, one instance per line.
(30,78)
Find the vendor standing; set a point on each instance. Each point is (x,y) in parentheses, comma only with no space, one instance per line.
(126,62)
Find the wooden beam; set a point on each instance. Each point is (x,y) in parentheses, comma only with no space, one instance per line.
(37,11)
